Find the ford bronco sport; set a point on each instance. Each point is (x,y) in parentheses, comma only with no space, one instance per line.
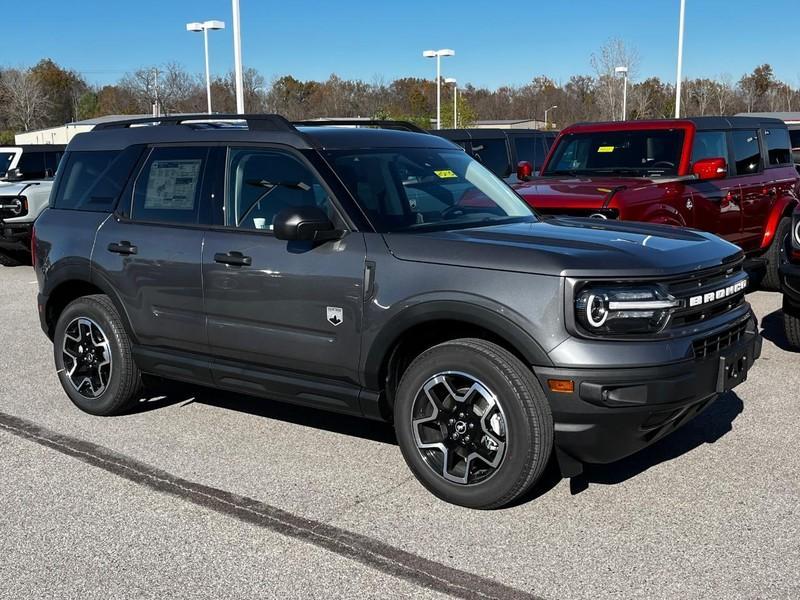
(384,274)
(732,176)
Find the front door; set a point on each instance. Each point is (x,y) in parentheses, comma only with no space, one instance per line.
(291,306)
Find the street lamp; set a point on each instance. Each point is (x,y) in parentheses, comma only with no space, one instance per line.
(438,54)
(547,110)
(455,100)
(624,71)
(680,62)
(205,27)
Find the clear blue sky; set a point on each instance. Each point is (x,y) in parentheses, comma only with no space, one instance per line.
(496,43)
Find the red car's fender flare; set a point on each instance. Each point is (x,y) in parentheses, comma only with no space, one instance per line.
(783,207)
(664,214)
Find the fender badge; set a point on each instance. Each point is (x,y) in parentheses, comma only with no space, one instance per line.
(335,315)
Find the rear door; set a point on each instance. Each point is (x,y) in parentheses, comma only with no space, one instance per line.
(755,197)
(150,251)
(716,204)
(272,304)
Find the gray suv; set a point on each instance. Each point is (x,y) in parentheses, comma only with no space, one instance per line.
(384,274)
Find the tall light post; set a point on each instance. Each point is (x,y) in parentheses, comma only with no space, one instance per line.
(438,54)
(547,110)
(680,62)
(205,27)
(237,57)
(624,71)
(455,100)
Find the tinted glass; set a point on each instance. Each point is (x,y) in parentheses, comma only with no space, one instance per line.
(710,144)
(51,160)
(746,152)
(532,148)
(794,136)
(167,189)
(93,180)
(5,162)
(649,153)
(493,154)
(32,165)
(779,148)
(263,182)
(418,189)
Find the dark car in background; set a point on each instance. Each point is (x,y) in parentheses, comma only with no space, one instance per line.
(790,286)
(731,176)
(502,150)
(792,120)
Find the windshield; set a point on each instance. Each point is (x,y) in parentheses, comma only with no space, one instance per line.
(420,189)
(644,153)
(5,162)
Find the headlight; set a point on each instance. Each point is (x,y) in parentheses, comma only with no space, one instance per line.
(613,310)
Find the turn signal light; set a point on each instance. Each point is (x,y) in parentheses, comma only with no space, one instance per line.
(564,386)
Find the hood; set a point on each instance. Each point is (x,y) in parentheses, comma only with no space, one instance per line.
(572,247)
(551,194)
(13,188)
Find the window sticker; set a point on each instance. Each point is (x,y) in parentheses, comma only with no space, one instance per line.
(445,174)
(171,184)
(605,149)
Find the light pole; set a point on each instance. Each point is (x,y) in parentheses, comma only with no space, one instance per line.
(680,62)
(624,71)
(547,110)
(205,27)
(237,57)
(438,54)
(455,100)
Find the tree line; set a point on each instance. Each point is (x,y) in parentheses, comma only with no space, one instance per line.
(47,94)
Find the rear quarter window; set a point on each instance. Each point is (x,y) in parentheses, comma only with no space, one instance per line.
(779,147)
(93,181)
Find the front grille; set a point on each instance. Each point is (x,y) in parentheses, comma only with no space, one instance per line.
(699,284)
(714,344)
(12,206)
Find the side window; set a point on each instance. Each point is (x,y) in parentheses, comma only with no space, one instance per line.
(709,144)
(779,148)
(94,180)
(51,160)
(746,152)
(167,189)
(32,165)
(529,149)
(493,154)
(263,182)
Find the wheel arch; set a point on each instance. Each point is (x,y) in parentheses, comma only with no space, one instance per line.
(783,208)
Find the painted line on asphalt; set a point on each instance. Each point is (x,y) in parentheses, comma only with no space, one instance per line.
(368,551)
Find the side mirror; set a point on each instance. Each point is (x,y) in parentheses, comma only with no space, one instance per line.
(14,175)
(304,223)
(524,170)
(710,168)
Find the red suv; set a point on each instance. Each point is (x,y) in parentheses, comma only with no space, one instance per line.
(732,176)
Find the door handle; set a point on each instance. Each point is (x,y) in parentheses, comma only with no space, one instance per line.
(233,258)
(123,247)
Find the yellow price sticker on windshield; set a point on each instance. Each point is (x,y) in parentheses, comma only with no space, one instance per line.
(605,148)
(445,174)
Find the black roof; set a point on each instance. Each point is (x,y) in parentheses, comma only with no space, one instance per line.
(35,147)
(734,122)
(335,134)
(487,133)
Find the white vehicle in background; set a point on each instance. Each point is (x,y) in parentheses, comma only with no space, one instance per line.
(26,178)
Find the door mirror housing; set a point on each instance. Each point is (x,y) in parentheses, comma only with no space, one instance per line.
(524,170)
(304,223)
(710,168)
(14,175)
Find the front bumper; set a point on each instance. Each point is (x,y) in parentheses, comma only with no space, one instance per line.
(613,413)
(790,283)
(15,236)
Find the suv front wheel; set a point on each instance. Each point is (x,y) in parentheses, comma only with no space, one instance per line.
(473,423)
(777,254)
(93,357)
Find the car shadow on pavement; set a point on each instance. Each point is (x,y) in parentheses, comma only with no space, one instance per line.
(772,330)
(708,427)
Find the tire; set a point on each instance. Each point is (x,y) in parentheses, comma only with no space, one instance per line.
(776,255)
(90,327)
(791,325)
(524,426)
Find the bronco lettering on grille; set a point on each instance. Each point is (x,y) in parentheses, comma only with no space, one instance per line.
(718,294)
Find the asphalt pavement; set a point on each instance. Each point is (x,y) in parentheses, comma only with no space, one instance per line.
(203,494)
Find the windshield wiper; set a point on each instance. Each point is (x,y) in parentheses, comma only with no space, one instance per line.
(270,186)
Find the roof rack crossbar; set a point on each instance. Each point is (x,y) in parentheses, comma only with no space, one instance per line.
(381,123)
(256,122)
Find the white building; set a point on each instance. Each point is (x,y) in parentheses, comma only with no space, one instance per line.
(64,133)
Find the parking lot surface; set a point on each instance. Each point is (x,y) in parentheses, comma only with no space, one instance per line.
(206,494)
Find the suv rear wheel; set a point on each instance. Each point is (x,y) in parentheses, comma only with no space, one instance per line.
(473,423)
(791,324)
(776,255)
(93,357)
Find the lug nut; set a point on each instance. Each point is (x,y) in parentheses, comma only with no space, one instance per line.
(455,436)
(451,421)
(471,425)
(461,415)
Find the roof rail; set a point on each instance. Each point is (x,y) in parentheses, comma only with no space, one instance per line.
(380,123)
(255,122)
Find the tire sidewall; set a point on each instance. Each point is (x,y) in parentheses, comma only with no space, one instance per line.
(520,434)
(106,402)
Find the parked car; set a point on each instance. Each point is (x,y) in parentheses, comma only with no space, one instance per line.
(383,274)
(502,150)
(790,280)
(792,120)
(732,176)
(26,174)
